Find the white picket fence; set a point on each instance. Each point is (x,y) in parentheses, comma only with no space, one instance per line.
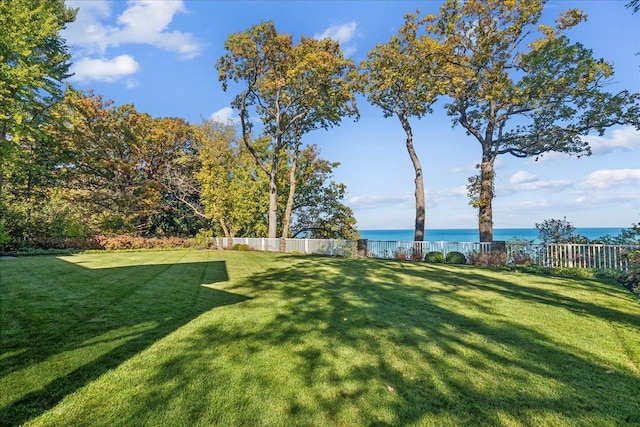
(548,255)
(411,250)
(574,255)
(332,247)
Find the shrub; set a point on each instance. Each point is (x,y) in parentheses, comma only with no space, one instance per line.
(5,237)
(519,257)
(434,257)
(241,247)
(455,257)
(35,252)
(205,238)
(631,281)
(416,254)
(400,254)
(128,242)
(491,259)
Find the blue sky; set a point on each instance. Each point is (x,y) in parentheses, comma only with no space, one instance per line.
(160,55)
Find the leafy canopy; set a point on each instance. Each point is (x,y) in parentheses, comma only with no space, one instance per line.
(33,62)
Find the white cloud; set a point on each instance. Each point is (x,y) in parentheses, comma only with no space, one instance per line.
(524,182)
(435,198)
(622,139)
(528,205)
(606,199)
(407,200)
(608,178)
(471,168)
(143,22)
(225,115)
(146,22)
(343,34)
(87,30)
(376,201)
(131,83)
(522,177)
(104,70)
(460,191)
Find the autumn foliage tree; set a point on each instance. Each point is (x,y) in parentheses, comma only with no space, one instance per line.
(521,87)
(401,77)
(232,188)
(292,89)
(117,158)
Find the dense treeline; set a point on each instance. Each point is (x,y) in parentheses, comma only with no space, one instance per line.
(74,165)
(111,170)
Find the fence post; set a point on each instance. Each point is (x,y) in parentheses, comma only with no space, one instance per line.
(570,255)
(362,247)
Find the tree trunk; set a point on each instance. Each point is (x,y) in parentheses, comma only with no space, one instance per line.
(273,200)
(419,181)
(272,214)
(485,209)
(225,230)
(3,142)
(286,221)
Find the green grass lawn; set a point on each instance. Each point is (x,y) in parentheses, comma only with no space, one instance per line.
(190,337)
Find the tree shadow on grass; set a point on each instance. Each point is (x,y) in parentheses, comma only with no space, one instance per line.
(89,322)
(563,293)
(364,340)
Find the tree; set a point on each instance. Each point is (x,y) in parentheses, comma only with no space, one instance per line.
(317,208)
(292,88)
(171,149)
(521,88)
(33,63)
(181,188)
(555,230)
(119,160)
(627,236)
(32,178)
(401,78)
(634,5)
(232,188)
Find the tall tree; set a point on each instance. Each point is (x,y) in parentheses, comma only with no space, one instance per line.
(293,89)
(400,77)
(520,87)
(33,63)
